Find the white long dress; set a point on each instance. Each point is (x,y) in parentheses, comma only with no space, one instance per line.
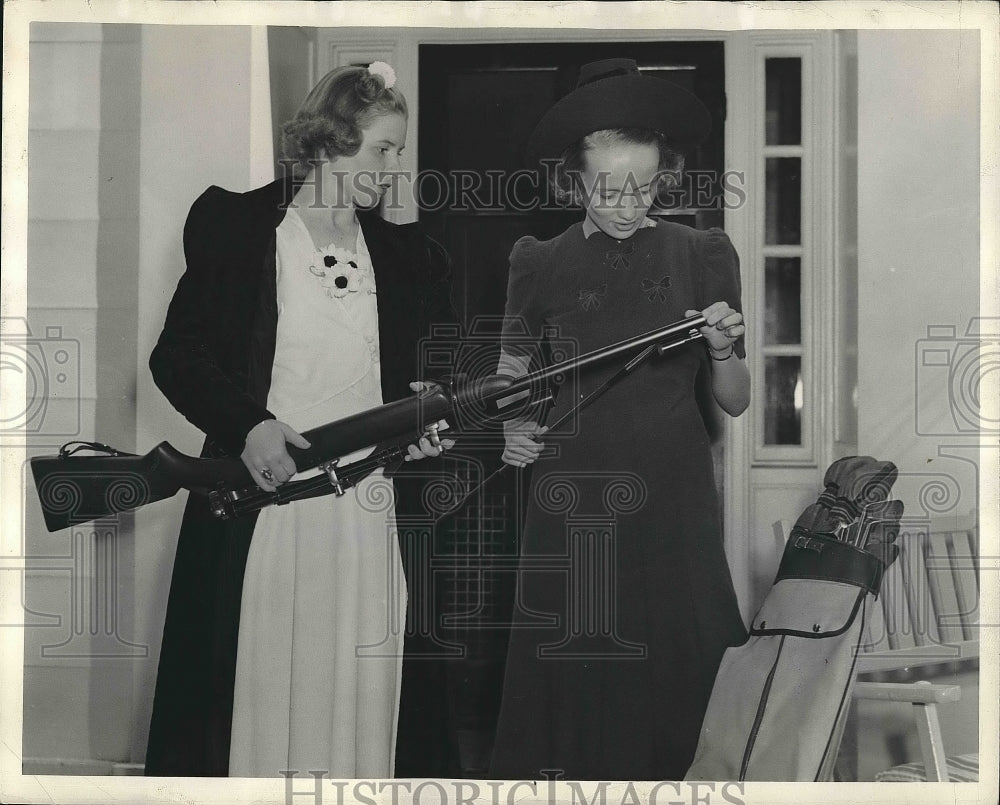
(324,597)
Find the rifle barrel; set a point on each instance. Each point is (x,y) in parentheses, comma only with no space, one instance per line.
(675,333)
(628,345)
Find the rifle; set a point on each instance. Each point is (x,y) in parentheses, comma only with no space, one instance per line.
(75,489)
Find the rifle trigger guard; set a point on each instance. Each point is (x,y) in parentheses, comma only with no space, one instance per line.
(330,468)
(220,503)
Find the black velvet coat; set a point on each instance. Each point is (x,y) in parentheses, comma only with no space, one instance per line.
(213,362)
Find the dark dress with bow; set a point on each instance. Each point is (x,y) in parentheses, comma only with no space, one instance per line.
(213,362)
(625,603)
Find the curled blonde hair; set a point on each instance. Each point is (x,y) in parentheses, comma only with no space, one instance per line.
(333,115)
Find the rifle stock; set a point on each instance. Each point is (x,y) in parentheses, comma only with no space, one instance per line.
(77,489)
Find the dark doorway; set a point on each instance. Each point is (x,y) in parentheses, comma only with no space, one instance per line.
(478,106)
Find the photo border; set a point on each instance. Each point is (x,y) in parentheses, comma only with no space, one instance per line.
(515,15)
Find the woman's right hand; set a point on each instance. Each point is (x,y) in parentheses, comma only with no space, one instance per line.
(522,446)
(266,456)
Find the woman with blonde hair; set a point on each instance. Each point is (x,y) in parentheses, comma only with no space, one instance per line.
(283,641)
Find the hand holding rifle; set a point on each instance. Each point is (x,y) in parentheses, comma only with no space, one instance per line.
(430,445)
(266,456)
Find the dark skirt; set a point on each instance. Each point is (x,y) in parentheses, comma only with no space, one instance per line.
(625,604)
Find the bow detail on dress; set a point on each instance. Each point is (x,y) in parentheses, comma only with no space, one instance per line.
(592,298)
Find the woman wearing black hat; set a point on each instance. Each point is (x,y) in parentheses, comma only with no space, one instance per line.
(647,607)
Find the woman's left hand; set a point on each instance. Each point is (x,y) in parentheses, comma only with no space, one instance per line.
(723,325)
(429,446)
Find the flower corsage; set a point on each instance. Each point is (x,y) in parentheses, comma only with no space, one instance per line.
(339,274)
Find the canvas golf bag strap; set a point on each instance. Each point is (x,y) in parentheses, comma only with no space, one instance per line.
(780,700)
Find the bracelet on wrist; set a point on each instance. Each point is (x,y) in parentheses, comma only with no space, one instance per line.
(712,353)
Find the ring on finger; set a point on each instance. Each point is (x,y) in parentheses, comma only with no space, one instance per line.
(266,474)
(432,435)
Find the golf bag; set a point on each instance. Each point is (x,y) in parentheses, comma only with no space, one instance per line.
(780,700)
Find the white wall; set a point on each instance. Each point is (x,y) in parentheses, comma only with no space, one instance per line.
(918,266)
(82,297)
(918,241)
(291,55)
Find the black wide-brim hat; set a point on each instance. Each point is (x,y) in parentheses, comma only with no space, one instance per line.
(612,94)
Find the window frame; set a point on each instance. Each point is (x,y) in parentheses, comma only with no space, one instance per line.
(814,250)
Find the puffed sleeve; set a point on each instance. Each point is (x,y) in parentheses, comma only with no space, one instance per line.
(720,275)
(522,325)
(182,362)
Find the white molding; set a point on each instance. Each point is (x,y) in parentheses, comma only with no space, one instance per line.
(455,36)
(357,51)
(312,56)
(792,485)
(823,201)
(816,247)
(88,767)
(783,151)
(811,367)
(844,244)
(753,471)
(778,483)
(261,160)
(739,226)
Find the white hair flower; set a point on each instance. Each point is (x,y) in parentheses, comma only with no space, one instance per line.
(384,70)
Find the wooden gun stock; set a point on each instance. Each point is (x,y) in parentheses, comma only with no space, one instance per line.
(76,489)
